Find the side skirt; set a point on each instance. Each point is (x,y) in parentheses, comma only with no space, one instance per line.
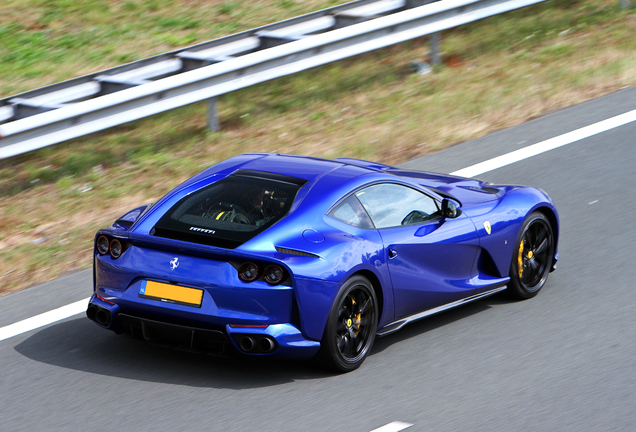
(396,325)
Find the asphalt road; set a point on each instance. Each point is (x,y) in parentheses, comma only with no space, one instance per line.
(565,360)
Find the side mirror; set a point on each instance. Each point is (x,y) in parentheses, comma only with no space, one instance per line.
(450,209)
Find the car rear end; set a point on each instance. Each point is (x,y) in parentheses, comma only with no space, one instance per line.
(178,277)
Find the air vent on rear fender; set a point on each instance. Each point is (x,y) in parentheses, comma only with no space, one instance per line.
(295,252)
(490,190)
(483,189)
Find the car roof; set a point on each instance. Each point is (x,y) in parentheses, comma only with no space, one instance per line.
(308,168)
(302,167)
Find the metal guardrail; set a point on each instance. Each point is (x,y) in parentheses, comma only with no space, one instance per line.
(185,59)
(44,117)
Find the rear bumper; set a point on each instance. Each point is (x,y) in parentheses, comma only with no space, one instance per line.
(173,335)
(279,340)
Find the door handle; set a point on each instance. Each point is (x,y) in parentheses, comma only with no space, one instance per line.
(392,253)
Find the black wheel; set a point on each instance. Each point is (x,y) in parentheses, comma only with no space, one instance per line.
(351,326)
(532,257)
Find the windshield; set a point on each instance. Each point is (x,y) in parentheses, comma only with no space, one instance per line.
(228,212)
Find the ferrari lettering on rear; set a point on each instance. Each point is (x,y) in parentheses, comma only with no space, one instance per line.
(203,230)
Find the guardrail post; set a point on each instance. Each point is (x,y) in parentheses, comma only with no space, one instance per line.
(435,40)
(625,4)
(213,116)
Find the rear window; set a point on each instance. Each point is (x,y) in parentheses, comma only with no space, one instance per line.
(229,212)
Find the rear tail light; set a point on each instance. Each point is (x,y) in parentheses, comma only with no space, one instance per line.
(106,244)
(105,299)
(273,274)
(248,272)
(103,245)
(115,248)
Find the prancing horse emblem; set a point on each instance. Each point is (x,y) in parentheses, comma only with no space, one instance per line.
(486,225)
(174,263)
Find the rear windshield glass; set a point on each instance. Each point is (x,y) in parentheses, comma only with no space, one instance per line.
(229,212)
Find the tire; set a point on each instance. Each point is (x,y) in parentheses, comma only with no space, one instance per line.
(351,326)
(532,257)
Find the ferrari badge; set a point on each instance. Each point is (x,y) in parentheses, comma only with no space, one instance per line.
(488,228)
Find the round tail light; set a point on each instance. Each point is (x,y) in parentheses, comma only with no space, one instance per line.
(248,272)
(273,274)
(115,248)
(102,245)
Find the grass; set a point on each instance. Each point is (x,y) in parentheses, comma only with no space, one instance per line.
(497,73)
(47,41)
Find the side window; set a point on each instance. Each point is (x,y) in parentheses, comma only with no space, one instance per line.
(351,212)
(391,205)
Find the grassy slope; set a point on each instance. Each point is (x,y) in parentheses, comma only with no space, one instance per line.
(498,72)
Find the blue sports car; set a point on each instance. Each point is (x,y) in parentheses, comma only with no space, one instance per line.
(282,255)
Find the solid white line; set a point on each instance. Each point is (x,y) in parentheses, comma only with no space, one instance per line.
(474,170)
(544,146)
(395,426)
(43,319)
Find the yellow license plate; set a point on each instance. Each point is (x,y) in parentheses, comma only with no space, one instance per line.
(171,293)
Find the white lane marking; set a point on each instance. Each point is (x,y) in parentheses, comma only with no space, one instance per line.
(395,426)
(43,319)
(474,170)
(550,144)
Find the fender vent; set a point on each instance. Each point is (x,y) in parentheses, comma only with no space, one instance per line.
(482,189)
(295,252)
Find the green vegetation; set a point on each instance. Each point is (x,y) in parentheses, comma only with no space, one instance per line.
(496,73)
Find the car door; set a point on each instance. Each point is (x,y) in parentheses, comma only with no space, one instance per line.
(430,258)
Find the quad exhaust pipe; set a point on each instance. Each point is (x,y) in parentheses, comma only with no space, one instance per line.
(247,344)
(103,317)
(91,312)
(256,344)
(99,314)
(266,345)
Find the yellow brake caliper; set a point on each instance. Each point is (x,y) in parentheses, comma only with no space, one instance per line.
(358,318)
(520,258)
